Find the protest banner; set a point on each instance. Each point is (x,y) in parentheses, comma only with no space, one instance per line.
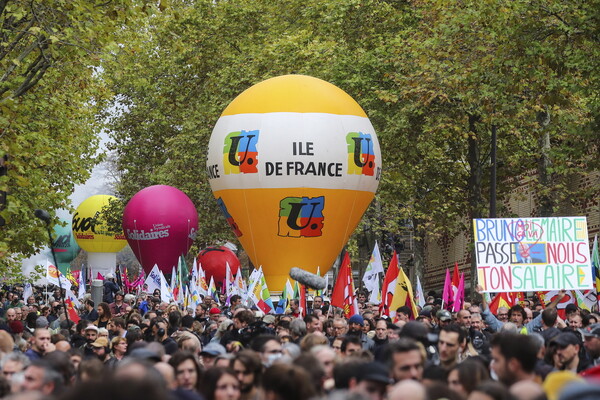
(532,254)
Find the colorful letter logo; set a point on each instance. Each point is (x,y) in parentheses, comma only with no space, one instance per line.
(361,157)
(240,154)
(234,226)
(301,216)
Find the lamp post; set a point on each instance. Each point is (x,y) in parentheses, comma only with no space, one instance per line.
(45,216)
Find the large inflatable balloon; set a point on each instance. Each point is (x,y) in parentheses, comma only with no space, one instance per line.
(160,223)
(93,235)
(293,163)
(214,263)
(64,245)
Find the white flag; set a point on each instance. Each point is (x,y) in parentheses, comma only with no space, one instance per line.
(81,291)
(371,276)
(53,274)
(153,279)
(419,298)
(165,291)
(27,292)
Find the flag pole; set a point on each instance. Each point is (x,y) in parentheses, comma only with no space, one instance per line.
(44,216)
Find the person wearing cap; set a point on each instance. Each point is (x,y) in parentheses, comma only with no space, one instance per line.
(269,321)
(101,348)
(210,352)
(90,334)
(372,381)
(214,314)
(355,328)
(444,318)
(591,342)
(566,352)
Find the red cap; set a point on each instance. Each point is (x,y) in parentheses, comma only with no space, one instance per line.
(214,311)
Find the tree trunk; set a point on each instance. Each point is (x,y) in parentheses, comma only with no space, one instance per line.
(418,253)
(546,200)
(475,197)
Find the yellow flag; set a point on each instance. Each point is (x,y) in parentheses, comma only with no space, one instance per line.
(403,295)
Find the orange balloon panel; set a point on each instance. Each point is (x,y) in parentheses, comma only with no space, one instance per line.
(311,224)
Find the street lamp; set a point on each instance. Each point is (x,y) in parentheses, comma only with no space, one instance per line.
(45,216)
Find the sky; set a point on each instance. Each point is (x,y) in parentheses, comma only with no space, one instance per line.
(96,184)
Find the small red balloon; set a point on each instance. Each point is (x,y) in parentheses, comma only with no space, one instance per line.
(214,260)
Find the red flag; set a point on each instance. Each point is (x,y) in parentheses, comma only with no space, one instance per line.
(343,291)
(73,316)
(501,300)
(389,285)
(459,300)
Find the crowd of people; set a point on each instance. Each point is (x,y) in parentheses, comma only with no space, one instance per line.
(136,346)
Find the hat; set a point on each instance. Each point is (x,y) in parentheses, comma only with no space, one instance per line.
(557,381)
(550,333)
(269,319)
(566,338)
(213,349)
(109,276)
(214,311)
(425,313)
(16,326)
(92,328)
(591,331)
(100,342)
(444,315)
(41,322)
(374,371)
(570,308)
(143,353)
(356,319)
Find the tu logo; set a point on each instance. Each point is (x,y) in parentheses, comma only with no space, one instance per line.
(301,216)
(240,154)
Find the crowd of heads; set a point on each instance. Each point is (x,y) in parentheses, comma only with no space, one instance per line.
(136,345)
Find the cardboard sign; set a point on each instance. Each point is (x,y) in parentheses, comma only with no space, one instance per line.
(532,254)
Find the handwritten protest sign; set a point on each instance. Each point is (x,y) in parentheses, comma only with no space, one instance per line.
(532,254)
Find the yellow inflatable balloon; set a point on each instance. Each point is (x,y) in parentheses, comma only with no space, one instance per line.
(293,163)
(90,228)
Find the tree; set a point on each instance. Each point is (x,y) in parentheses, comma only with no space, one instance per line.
(50,96)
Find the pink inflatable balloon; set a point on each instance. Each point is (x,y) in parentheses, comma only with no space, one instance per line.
(160,223)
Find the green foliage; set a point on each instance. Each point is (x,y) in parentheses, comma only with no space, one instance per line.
(434,77)
(50,96)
